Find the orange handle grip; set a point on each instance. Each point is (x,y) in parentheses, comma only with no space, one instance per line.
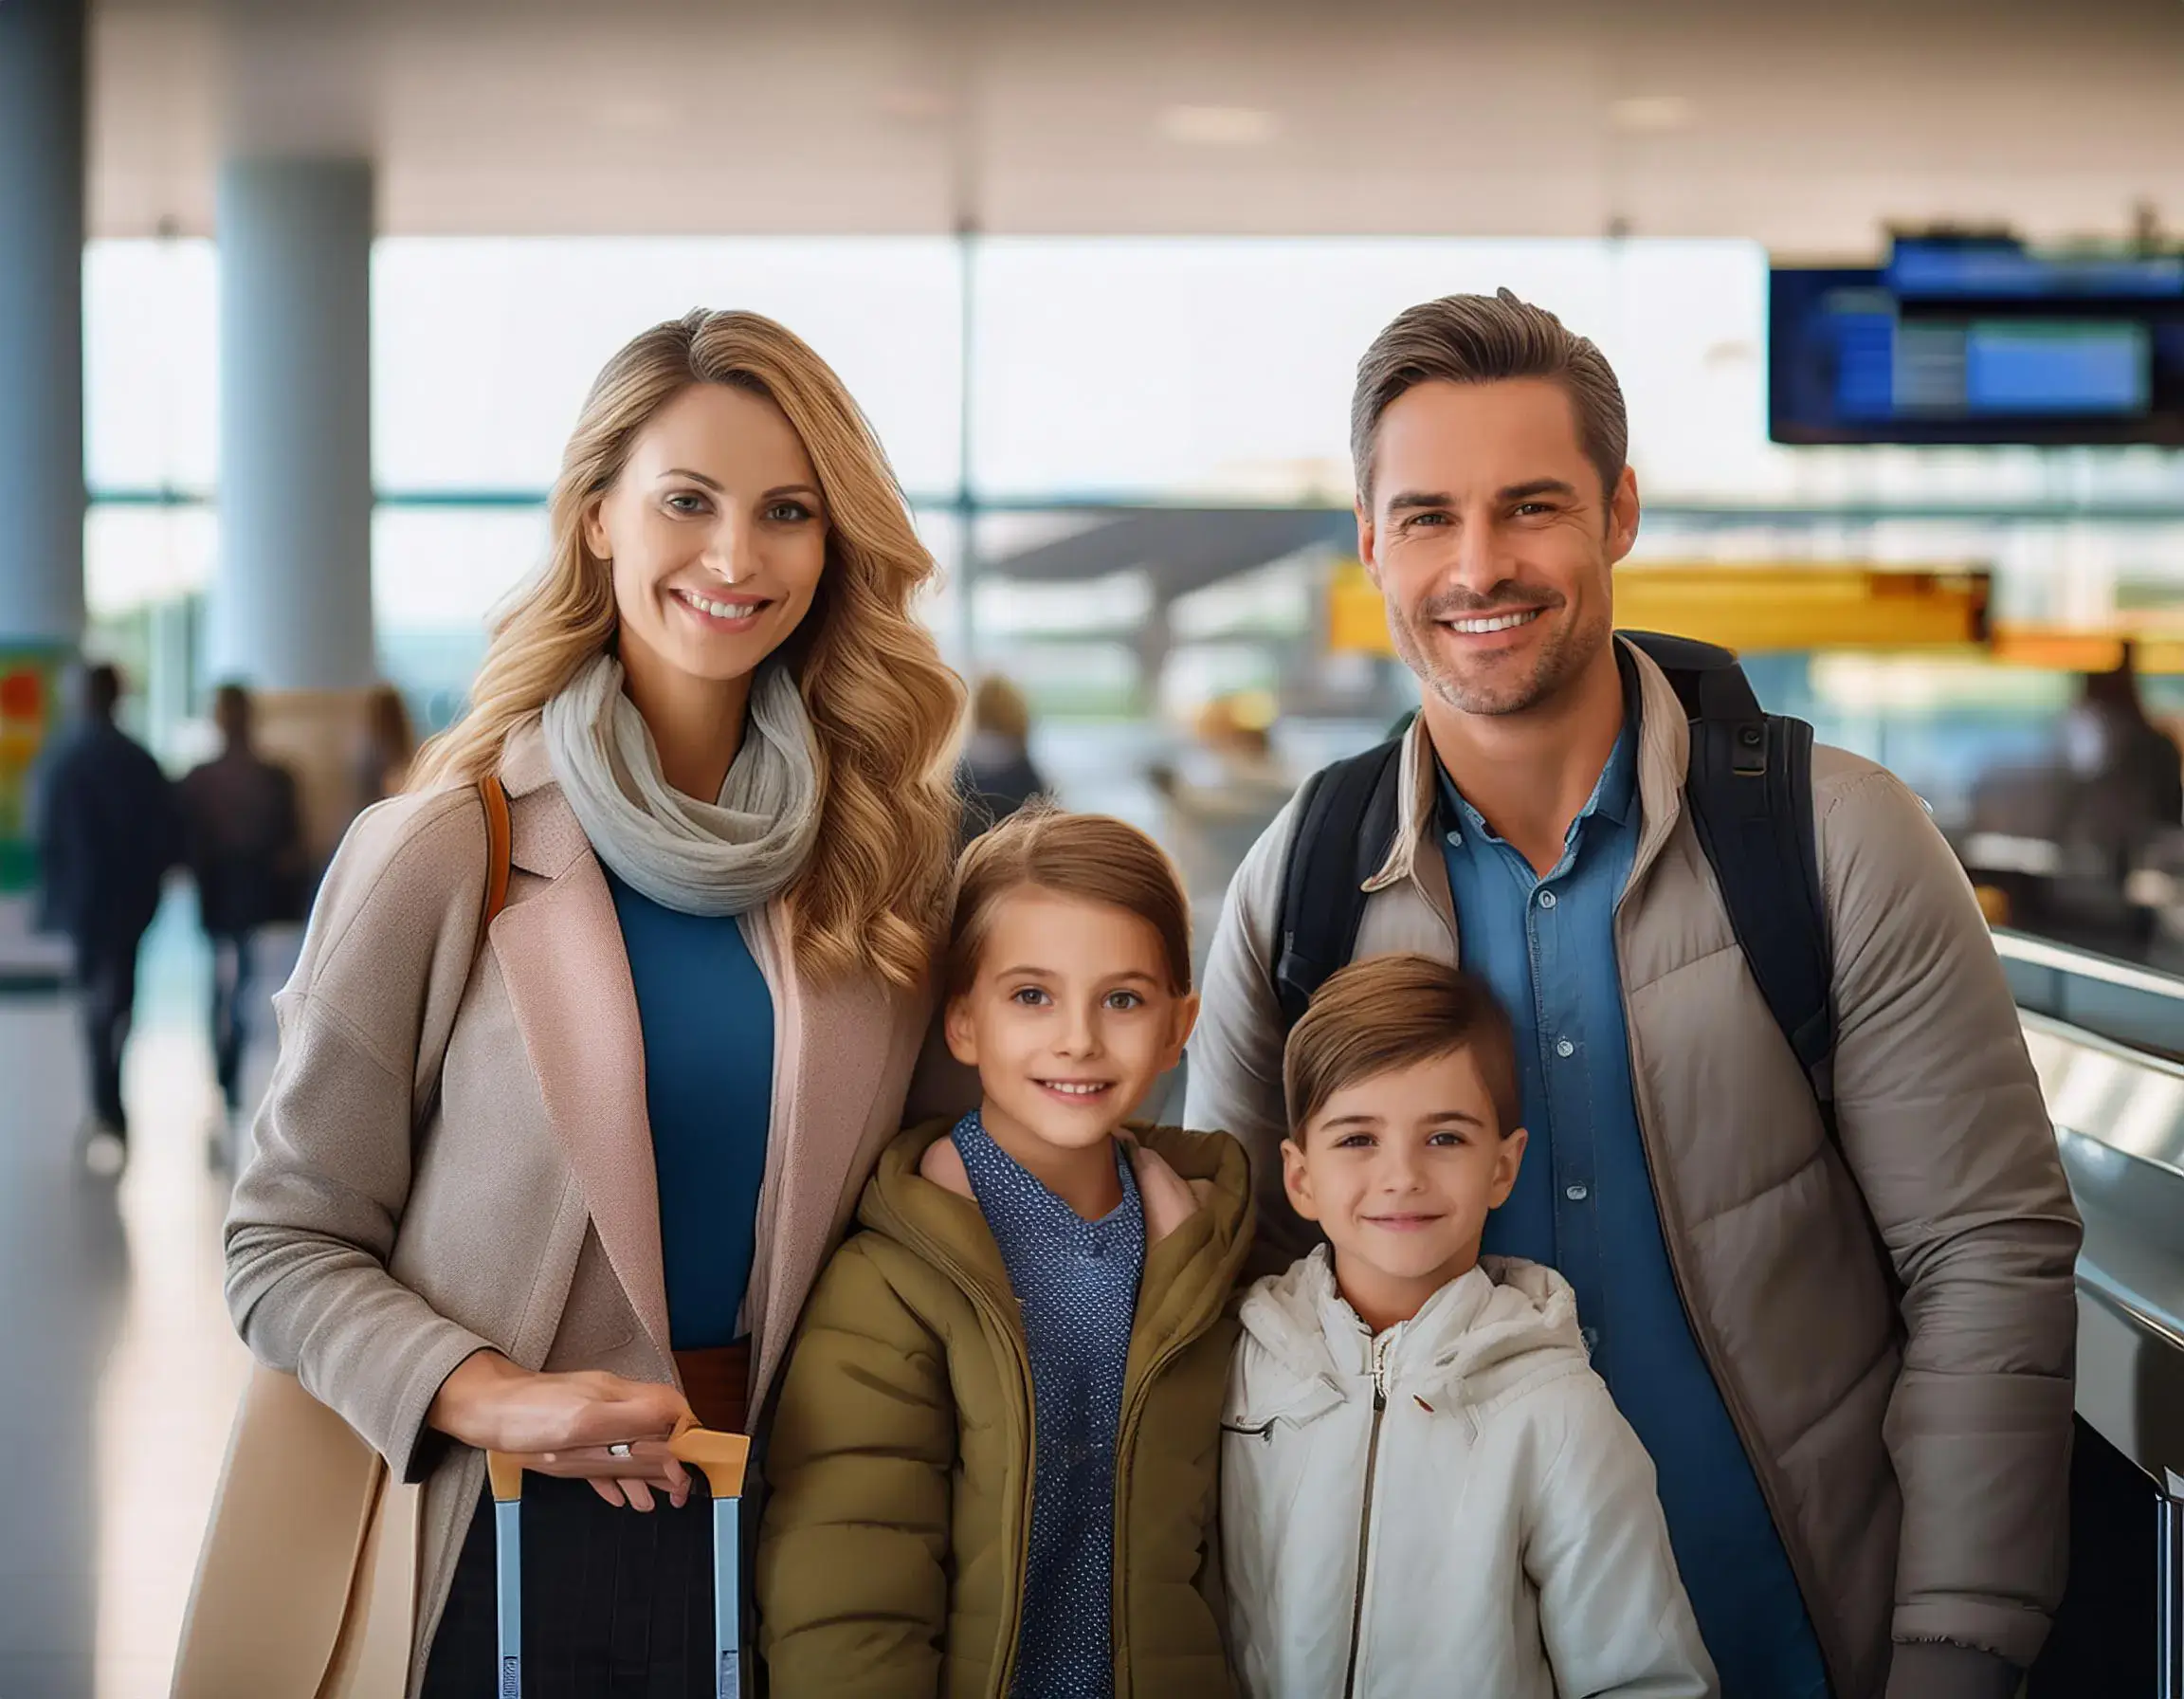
(722,1459)
(506,1473)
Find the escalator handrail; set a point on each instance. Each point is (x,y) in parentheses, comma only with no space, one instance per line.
(2167,1154)
(2062,958)
(2119,1372)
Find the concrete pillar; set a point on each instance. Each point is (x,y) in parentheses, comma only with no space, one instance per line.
(42,151)
(291,609)
(293,606)
(42,130)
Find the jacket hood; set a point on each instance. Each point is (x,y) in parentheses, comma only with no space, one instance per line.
(1485,1336)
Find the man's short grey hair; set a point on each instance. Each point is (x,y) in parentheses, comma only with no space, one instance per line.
(1485,338)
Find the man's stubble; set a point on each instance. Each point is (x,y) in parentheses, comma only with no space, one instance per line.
(1559,662)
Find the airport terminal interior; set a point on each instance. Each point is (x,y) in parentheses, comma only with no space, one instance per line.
(298,304)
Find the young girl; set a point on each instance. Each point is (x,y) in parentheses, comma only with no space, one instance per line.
(993,1467)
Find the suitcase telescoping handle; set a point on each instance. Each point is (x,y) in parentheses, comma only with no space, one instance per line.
(722,1459)
(505,1474)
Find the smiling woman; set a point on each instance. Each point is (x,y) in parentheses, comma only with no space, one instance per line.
(733,386)
(712,569)
(550,1180)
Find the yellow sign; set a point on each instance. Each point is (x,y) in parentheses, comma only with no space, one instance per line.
(2080,648)
(1356,618)
(1756,606)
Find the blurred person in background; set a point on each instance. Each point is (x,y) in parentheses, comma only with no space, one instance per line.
(996,775)
(107,830)
(1222,793)
(551,1185)
(244,838)
(2128,775)
(1239,730)
(389,745)
(1230,771)
(2060,837)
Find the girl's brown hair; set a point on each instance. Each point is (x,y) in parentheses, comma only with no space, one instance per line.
(1091,858)
(884,709)
(1389,1013)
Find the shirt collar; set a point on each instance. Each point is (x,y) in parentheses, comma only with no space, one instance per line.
(1041,1210)
(1615,795)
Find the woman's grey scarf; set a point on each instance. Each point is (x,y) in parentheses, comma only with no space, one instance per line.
(691,856)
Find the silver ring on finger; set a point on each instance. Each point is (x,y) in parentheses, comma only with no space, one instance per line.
(619,1449)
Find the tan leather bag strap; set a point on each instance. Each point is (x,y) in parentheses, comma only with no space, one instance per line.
(498,840)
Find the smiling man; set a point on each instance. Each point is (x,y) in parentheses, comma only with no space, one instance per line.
(1847,1340)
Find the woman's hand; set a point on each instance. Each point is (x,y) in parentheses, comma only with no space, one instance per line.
(563,1425)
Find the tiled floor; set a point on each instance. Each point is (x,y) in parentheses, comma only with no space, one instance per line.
(119,1370)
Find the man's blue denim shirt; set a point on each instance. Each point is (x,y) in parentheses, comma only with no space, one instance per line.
(1584,1204)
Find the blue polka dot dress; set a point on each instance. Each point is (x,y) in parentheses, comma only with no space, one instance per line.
(1076,1282)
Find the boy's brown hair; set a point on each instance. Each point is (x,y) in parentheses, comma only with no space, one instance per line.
(1093,858)
(1389,1013)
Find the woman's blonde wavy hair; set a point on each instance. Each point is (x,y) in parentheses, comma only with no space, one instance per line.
(885,710)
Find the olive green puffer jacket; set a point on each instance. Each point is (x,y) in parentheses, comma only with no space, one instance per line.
(892,1557)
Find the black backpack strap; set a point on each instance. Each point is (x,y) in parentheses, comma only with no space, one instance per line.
(1749,788)
(1346,820)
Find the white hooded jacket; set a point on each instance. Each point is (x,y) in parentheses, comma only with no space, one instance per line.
(1454,1507)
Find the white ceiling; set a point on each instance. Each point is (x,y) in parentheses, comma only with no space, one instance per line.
(1805,126)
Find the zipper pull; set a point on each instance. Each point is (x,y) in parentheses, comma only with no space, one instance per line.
(1380,1370)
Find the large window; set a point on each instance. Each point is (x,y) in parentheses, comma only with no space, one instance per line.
(482,350)
(438,574)
(1100,371)
(151,368)
(1201,367)
(1222,368)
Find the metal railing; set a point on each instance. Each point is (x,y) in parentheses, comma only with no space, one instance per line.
(2119,1115)
(2122,1001)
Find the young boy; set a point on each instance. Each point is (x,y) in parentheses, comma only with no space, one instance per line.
(1425,1486)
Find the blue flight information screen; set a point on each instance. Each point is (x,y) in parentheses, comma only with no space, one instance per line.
(1978,343)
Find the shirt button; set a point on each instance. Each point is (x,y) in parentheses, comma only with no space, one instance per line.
(1564,1047)
(1546,899)
(1455,840)
(1576,1194)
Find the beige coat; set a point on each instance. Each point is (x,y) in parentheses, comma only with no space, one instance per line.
(401,1215)
(1892,1321)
